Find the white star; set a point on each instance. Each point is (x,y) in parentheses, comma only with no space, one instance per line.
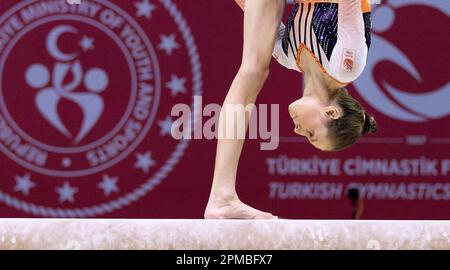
(109,185)
(168,44)
(144,161)
(144,8)
(176,84)
(86,43)
(66,193)
(66,162)
(24,184)
(166,126)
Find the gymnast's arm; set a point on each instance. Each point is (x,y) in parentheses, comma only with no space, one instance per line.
(350,53)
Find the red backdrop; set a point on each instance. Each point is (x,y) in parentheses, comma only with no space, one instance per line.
(87,90)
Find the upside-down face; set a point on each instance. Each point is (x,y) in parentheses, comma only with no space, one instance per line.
(311,119)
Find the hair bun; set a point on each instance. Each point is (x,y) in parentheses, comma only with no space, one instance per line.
(370,125)
(373,125)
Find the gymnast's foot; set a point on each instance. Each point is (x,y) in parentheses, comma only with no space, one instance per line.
(233,209)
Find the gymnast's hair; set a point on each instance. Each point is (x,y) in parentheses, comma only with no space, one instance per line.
(355,122)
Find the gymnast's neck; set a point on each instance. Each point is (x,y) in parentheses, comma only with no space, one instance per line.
(317,84)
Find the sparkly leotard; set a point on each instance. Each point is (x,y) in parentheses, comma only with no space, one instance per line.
(336,34)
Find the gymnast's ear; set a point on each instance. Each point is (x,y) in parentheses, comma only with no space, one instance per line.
(332,112)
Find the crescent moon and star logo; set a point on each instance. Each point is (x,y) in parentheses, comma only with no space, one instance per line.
(52,43)
(86,93)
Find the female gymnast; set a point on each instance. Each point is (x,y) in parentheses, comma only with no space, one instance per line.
(328,41)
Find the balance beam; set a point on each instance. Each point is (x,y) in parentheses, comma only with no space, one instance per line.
(163,234)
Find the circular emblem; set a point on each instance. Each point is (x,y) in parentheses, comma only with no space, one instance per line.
(86,93)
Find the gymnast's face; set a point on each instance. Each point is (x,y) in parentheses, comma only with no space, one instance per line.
(311,119)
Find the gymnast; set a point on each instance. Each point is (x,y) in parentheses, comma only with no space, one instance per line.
(327,41)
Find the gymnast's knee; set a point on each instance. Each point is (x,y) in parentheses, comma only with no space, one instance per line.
(253,74)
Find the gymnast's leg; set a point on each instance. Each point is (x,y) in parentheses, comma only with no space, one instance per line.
(261,21)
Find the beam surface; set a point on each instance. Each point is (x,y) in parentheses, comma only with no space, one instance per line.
(222,234)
